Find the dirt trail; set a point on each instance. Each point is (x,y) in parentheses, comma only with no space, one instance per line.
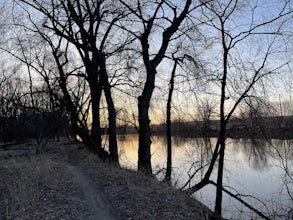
(94,196)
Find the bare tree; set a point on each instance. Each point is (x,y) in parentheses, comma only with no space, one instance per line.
(168,121)
(249,73)
(88,27)
(178,62)
(153,20)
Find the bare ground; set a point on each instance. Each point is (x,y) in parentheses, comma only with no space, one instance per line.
(67,182)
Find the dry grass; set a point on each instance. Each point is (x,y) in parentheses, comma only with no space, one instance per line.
(25,183)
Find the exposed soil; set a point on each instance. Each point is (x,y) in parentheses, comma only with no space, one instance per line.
(67,182)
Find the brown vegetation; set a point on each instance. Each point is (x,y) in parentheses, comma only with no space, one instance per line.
(40,187)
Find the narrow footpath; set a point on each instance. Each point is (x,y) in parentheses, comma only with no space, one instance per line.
(94,196)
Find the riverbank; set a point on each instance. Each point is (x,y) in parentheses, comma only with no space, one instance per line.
(66,182)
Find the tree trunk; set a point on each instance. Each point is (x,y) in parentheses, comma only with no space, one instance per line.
(144,154)
(96,135)
(95,84)
(144,150)
(222,137)
(169,140)
(91,140)
(168,131)
(219,192)
(111,111)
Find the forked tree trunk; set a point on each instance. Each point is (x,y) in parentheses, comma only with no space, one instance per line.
(144,154)
(91,140)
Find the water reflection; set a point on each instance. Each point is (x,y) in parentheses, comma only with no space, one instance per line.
(254,167)
(256,152)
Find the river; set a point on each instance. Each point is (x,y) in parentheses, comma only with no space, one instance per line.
(255,169)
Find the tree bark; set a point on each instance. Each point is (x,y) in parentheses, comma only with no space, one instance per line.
(96,124)
(144,150)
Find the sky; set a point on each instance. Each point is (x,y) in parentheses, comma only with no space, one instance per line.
(246,55)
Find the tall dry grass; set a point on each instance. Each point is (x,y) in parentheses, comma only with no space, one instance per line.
(26,182)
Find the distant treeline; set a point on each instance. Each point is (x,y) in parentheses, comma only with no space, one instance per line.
(28,122)
(36,123)
(279,127)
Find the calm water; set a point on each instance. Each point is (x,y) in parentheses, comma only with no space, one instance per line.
(251,168)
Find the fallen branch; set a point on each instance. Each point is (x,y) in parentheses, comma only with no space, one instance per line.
(241,200)
(194,173)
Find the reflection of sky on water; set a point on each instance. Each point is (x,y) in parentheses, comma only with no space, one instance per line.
(251,169)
